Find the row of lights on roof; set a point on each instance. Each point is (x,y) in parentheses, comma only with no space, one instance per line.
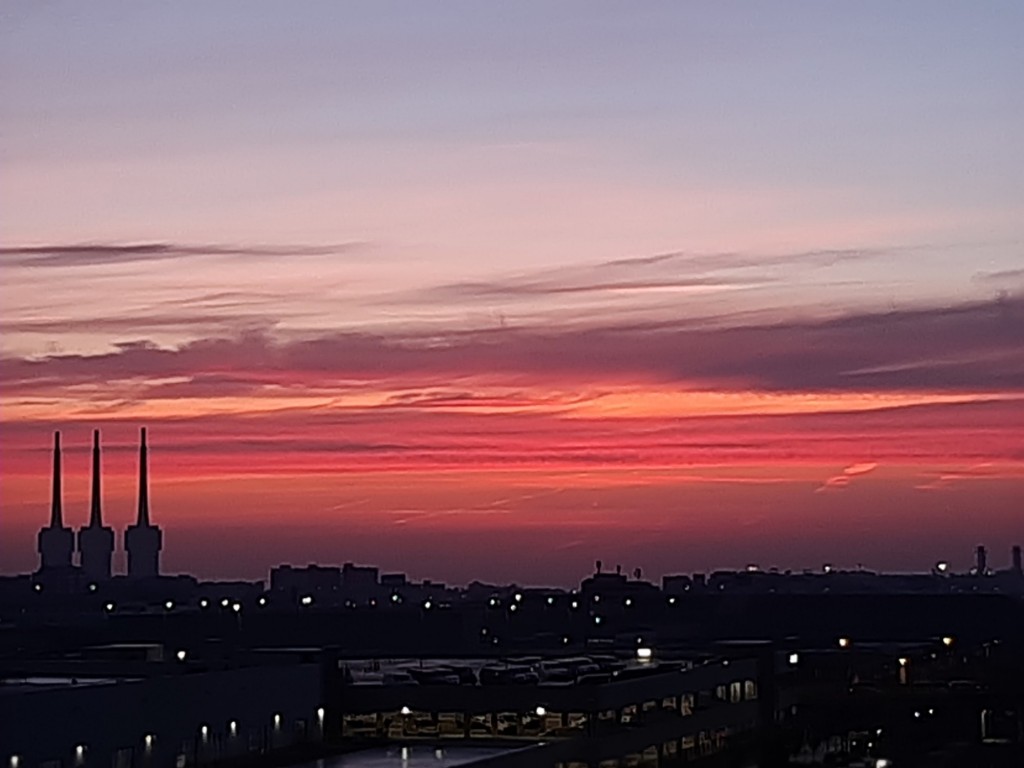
(540,711)
(204,731)
(947,640)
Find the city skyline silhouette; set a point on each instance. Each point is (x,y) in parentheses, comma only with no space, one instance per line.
(91,548)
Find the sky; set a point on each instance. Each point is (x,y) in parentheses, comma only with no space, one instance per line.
(494,290)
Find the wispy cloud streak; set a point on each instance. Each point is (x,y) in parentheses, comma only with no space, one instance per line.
(100,254)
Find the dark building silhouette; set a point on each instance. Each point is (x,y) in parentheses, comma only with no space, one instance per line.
(143,541)
(56,541)
(1015,558)
(96,541)
(981,558)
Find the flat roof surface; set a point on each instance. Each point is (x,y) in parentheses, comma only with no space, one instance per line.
(367,670)
(13,685)
(417,756)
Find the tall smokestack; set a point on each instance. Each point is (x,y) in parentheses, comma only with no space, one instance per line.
(56,544)
(981,557)
(143,518)
(143,541)
(95,541)
(56,502)
(95,509)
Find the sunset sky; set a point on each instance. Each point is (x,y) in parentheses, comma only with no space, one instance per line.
(493,290)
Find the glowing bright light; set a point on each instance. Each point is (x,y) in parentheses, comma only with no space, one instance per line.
(224,602)
(826,568)
(629,601)
(204,730)
(942,567)
(181,655)
(597,619)
(428,605)
(947,641)
(597,598)
(236,607)
(169,605)
(575,604)
(148,740)
(320,714)
(518,597)
(794,659)
(109,607)
(262,601)
(92,587)
(903,661)
(565,640)
(644,654)
(882,763)
(917,714)
(541,711)
(204,603)
(513,607)
(406,711)
(277,719)
(671,601)
(395,598)
(931,711)
(233,727)
(844,642)
(79,750)
(15,761)
(38,587)
(551,601)
(307,600)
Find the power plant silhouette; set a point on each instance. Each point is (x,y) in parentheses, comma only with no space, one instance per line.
(95,541)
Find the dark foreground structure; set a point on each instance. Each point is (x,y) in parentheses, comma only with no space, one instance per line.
(216,686)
